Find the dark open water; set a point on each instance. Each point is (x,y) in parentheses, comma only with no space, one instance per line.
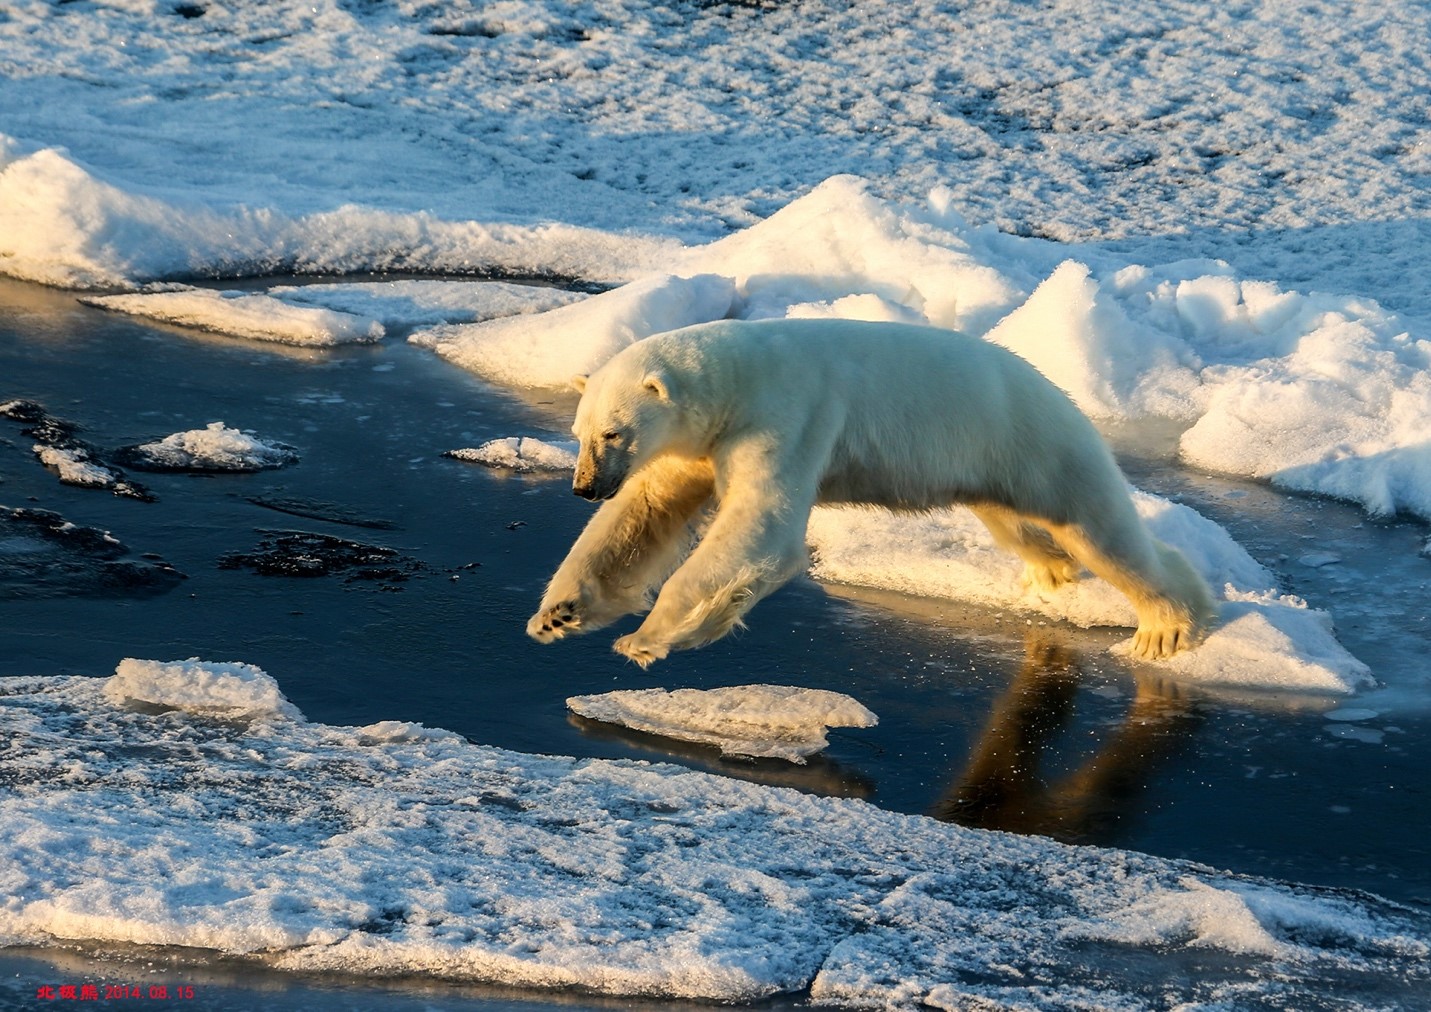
(983,718)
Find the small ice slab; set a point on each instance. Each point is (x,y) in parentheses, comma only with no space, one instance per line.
(523,454)
(760,721)
(255,316)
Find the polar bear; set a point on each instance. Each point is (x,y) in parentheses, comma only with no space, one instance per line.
(764,419)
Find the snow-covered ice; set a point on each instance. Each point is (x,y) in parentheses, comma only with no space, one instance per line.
(216,447)
(246,315)
(209,815)
(759,721)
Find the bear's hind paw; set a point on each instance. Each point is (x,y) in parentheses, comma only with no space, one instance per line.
(643,652)
(1157,643)
(551,624)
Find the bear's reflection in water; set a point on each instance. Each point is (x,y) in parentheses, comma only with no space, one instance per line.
(1002,788)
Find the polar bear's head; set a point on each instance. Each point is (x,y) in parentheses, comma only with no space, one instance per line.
(625,418)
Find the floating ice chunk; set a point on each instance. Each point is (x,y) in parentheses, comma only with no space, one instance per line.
(256,316)
(1316,560)
(548,349)
(523,454)
(213,448)
(1351,713)
(1263,639)
(427,302)
(762,721)
(206,687)
(75,467)
(1274,641)
(1353,732)
(385,731)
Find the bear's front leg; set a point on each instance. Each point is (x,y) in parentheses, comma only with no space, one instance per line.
(629,544)
(755,544)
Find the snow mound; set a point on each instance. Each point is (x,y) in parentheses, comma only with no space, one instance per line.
(202,687)
(212,448)
(1262,640)
(391,849)
(522,454)
(547,350)
(260,317)
(760,721)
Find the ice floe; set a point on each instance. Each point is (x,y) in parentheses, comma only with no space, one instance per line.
(758,721)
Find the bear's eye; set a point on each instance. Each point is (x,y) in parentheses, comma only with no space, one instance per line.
(611,435)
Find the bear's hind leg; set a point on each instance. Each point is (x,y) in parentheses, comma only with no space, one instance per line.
(1173,604)
(628,547)
(1046,566)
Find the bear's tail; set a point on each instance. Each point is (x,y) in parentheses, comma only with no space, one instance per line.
(1186,588)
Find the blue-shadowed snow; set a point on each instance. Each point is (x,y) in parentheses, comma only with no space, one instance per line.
(188,803)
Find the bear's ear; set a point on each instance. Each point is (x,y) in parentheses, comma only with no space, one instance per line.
(658,385)
(578,383)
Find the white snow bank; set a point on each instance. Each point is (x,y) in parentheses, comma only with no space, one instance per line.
(523,454)
(1263,639)
(549,349)
(216,447)
(62,225)
(393,850)
(195,686)
(760,721)
(256,316)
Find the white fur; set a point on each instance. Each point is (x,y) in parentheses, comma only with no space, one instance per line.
(762,420)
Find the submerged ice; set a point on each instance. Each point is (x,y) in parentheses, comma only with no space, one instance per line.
(188,803)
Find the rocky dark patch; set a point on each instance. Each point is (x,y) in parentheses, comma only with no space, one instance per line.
(309,555)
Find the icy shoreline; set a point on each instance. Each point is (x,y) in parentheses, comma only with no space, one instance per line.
(255,832)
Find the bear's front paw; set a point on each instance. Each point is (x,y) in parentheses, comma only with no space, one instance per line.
(643,651)
(552,623)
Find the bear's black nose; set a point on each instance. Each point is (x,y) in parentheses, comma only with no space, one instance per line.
(586,492)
